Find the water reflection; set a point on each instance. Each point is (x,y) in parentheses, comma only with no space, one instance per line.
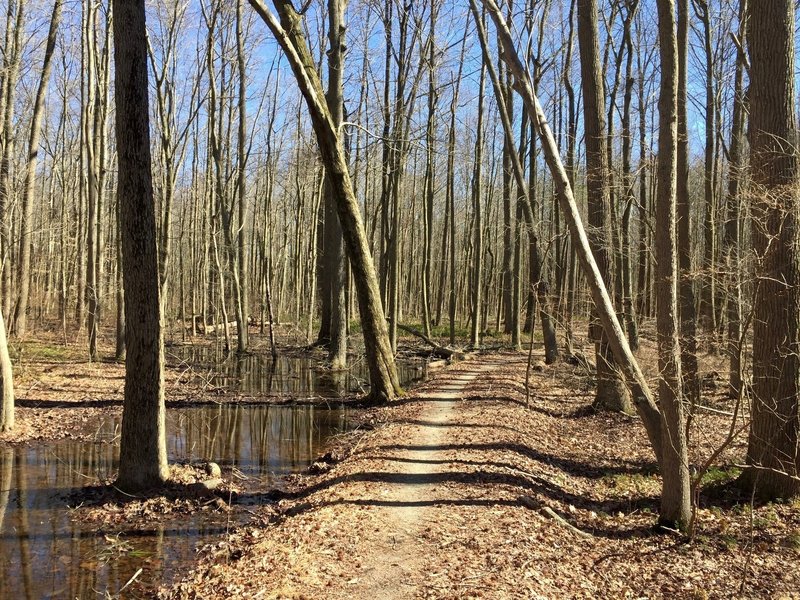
(45,554)
(286,376)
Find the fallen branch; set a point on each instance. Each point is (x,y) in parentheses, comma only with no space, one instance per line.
(549,512)
(546,511)
(438,350)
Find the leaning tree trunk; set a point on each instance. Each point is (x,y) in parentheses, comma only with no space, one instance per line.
(288,32)
(611,393)
(642,396)
(143,448)
(675,505)
(26,226)
(773,453)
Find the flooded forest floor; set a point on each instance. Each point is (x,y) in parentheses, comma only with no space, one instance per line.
(458,490)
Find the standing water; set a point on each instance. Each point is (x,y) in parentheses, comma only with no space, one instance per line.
(45,552)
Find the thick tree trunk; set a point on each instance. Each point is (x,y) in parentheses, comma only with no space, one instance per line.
(288,32)
(773,454)
(143,450)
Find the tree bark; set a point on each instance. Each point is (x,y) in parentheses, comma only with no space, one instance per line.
(6,382)
(143,450)
(731,237)
(773,454)
(675,504)
(688,314)
(611,393)
(334,283)
(476,299)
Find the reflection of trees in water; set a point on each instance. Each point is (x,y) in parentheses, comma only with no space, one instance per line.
(6,467)
(257,439)
(283,376)
(44,552)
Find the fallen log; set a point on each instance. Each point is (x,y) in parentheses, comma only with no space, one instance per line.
(438,350)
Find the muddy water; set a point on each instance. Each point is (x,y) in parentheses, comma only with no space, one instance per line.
(47,553)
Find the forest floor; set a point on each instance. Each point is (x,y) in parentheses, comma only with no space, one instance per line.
(456,491)
(460,491)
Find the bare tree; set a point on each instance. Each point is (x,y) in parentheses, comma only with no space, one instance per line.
(289,35)
(773,453)
(143,448)
(24,266)
(675,499)
(611,393)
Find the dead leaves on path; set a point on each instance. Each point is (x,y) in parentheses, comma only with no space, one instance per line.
(481,531)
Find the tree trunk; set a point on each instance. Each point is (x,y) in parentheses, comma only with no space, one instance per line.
(26,226)
(773,454)
(688,315)
(477,250)
(6,382)
(675,505)
(708,309)
(731,238)
(10,75)
(628,308)
(143,450)
(611,394)
(240,283)
(288,32)
(430,177)
(334,283)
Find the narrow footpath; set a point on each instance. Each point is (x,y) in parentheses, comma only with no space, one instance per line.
(460,491)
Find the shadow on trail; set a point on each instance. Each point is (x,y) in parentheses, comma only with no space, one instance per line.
(573,467)
(538,491)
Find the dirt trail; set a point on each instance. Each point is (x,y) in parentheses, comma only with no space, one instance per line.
(461,492)
(407,500)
